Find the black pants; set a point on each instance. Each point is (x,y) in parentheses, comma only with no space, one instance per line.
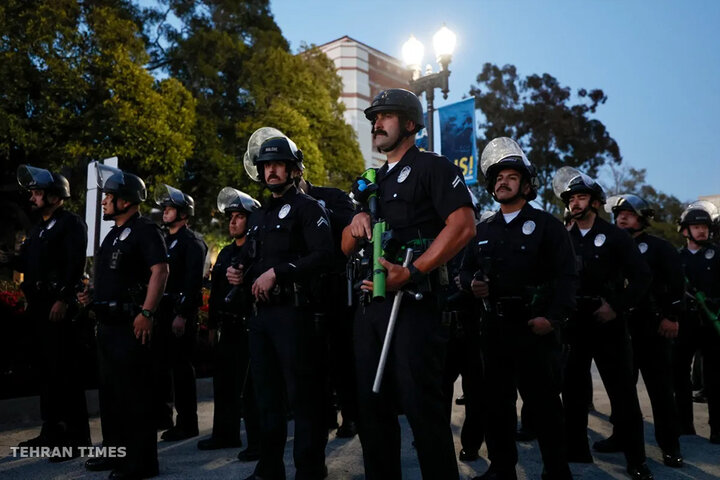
(174,371)
(652,355)
(63,407)
(233,392)
(413,383)
(691,337)
(518,359)
(286,371)
(341,360)
(609,344)
(464,358)
(125,394)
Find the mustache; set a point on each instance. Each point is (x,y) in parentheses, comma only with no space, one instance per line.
(503,187)
(379,131)
(271,176)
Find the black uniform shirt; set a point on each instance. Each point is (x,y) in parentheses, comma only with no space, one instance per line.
(702,270)
(186,257)
(290,234)
(220,287)
(54,252)
(125,257)
(667,290)
(340,211)
(607,257)
(531,251)
(419,193)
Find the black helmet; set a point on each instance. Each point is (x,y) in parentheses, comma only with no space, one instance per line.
(568,181)
(631,203)
(167,196)
(504,152)
(280,149)
(232,200)
(397,100)
(33,178)
(127,186)
(701,212)
(253,149)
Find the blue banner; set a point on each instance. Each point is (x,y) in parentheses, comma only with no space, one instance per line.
(421,137)
(457,135)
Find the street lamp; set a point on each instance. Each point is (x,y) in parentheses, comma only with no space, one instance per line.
(444,45)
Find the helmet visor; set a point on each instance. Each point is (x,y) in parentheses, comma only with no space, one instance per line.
(499,149)
(31,178)
(231,199)
(253,150)
(166,195)
(104,172)
(567,176)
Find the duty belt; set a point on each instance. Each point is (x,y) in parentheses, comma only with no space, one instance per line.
(114,313)
(510,306)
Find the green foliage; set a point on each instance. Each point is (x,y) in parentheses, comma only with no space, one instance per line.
(75,90)
(553,127)
(232,57)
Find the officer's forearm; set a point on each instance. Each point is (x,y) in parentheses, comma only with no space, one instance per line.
(156,286)
(459,230)
(348,242)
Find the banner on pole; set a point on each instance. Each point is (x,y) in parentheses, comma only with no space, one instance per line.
(421,137)
(457,136)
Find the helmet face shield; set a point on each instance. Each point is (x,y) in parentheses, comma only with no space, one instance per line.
(167,196)
(108,177)
(569,181)
(503,150)
(232,200)
(33,178)
(253,149)
(629,202)
(700,212)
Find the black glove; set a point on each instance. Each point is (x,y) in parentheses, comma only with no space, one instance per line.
(362,189)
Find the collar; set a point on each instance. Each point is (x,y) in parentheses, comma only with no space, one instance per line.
(382,172)
(286,197)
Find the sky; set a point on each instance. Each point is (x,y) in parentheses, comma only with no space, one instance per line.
(658,62)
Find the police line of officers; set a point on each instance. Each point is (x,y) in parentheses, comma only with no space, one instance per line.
(513,300)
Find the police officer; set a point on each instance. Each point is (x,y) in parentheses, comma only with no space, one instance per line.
(175,330)
(423,198)
(701,264)
(653,324)
(229,308)
(130,273)
(520,264)
(336,314)
(607,259)
(293,244)
(53,260)
(464,359)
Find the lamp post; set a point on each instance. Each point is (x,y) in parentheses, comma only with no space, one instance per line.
(444,44)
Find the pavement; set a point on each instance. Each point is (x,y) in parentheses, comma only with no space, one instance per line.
(19,420)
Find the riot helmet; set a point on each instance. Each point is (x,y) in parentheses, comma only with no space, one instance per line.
(504,152)
(253,150)
(113,181)
(279,149)
(700,212)
(569,181)
(631,203)
(232,200)
(167,196)
(33,178)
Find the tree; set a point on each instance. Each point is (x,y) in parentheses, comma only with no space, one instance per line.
(540,115)
(75,90)
(231,55)
(626,179)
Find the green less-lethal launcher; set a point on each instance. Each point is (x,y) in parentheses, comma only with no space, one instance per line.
(379,272)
